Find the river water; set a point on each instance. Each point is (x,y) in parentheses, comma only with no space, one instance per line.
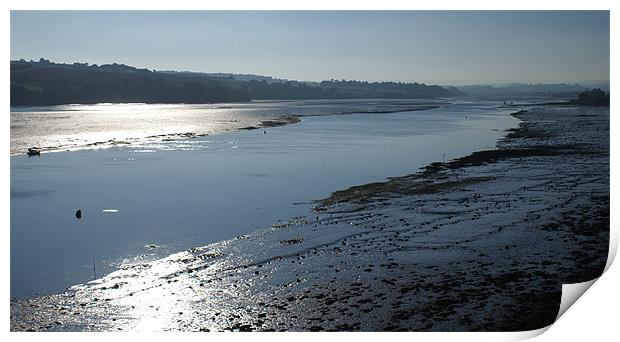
(151,198)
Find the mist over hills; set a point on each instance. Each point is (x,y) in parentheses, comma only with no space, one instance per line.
(46,83)
(521,89)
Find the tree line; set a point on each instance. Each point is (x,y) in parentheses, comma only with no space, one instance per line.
(46,83)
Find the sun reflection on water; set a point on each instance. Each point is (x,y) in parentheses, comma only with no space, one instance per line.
(72,127)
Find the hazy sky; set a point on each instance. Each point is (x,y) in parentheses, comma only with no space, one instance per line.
(433,47)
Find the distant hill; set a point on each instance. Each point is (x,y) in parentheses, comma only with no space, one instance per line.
(519,89)
(390,89)
(247,77)
(602,85)
(47,83)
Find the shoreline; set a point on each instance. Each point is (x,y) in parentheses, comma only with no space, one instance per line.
(368,261)
(283,120)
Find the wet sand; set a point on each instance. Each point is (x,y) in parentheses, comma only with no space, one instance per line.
(281,121)
(481,243)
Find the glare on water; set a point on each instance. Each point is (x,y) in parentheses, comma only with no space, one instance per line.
(71,127)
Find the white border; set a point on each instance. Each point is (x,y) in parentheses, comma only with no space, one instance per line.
(594,316)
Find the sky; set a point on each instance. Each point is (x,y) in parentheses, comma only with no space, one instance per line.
(406,46)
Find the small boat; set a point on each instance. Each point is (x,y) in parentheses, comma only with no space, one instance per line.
(33,152)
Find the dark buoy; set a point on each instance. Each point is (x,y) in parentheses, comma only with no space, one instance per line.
(33,152)
(78,214)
